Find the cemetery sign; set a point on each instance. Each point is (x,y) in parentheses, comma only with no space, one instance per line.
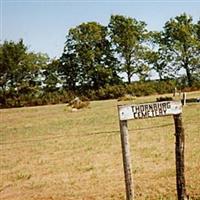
(156,109)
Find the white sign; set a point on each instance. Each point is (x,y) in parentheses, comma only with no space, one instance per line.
(156,109)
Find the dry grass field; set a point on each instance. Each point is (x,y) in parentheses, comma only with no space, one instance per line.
(51,153)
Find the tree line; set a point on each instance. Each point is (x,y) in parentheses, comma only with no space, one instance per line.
(102,61)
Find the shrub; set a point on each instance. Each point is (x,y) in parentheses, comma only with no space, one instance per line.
(141,89)
(159,99)
(40,97)
(111,92)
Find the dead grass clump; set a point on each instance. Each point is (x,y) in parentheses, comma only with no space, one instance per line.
(78,104)
(127,97)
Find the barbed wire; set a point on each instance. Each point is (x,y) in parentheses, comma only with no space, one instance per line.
(88,134)
(89,152)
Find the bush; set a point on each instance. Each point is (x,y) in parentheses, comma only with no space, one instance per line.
(141,89)
(10,99)
(159,99)
(111,92)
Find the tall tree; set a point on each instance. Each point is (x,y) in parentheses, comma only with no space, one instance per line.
(12,56)
(19,69)
(127,34)
(181,37)
(157,56)
(89,55)
(51,76)
(69,70)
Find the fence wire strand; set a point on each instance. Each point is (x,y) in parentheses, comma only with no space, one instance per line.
(88,134)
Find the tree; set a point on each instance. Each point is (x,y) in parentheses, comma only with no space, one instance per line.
(19,70)
(127,35)
(181,37)
(34,64)
(51,76)
(70,70)
(197,71)
(88,57)
(157,56)
(12,57)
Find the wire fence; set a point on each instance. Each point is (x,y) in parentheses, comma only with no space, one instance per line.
(95,154)
(52,137)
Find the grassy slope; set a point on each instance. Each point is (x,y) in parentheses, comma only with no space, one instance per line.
(51,153)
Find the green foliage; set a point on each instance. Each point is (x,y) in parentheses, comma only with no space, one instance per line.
(181,37)
(157,57)
(88,59)
(128,34)
(51,76)
(134,89)
(44,98)
(20,71)
(95,59)
(12,63)
(111,92)
(69,70)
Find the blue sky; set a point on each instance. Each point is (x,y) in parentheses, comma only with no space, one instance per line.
(43,24)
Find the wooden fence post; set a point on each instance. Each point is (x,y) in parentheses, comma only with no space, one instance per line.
(184,98)
(174,92)
(135,111)
(179,149)
(126,160)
